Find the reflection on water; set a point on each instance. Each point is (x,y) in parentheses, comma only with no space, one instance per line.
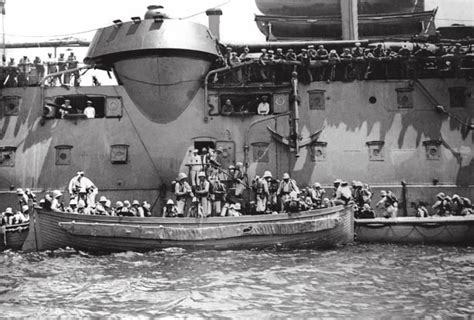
(360,281)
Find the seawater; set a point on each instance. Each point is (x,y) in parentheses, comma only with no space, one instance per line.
(356,281)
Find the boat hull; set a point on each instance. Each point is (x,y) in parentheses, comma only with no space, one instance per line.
(333,7)
(330,27)
(13,237)
(320,228)
(436,230)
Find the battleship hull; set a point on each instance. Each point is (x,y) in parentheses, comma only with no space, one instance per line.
(313,229)
(434,230)
(333,7)
(169,102)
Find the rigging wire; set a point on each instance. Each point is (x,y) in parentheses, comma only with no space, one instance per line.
(202,12)
(95,29)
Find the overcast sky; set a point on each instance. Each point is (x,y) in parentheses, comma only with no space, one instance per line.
(44,19)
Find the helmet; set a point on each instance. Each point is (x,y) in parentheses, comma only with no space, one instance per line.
(119,204)
(24,208)
(239,164)
(81,204)
(126,203)
(441,196)
(344,183)
(358,184)
(237,206)
(195,150)
(103,199)
(383,193)
(337,181)
(267,174)
(455,196)
(286,176)
(20,191)
(9,211)
(182,176)
(135,203)
(146,205)
(220,149)
(169,201)
(231,167)
(316,185)
(201,174)
(80,173)
(57,193)
(204,150)
(73,202)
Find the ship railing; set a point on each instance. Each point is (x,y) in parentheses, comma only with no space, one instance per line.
(18,76)
(344,69)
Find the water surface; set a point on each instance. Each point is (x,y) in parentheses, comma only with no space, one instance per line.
(359,281)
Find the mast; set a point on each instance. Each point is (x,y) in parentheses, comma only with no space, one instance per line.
(350,20)
(2,7)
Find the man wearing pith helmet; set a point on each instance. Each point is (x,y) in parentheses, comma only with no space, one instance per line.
(286,186)
(262,191)
(202,192)
(182,191)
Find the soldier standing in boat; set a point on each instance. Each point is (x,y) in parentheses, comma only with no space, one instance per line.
(286,187)
(195,165)
(262,191)
(81,187)
(182,191)
(202,192)
(217,195)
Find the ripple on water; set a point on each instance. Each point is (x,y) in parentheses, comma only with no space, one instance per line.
(354,281)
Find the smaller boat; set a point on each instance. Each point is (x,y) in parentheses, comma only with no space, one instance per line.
(433,230)
(310,229)
(13,237)
(330,27)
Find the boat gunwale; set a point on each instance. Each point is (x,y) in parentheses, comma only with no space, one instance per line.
(281,217)
(414,221)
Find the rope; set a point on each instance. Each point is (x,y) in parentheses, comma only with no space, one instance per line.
(50,36)
(201,12)
(398,236)
(426,237)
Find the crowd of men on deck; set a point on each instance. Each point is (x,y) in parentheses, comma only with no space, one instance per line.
(209,190)
(20,74)
(321,64)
